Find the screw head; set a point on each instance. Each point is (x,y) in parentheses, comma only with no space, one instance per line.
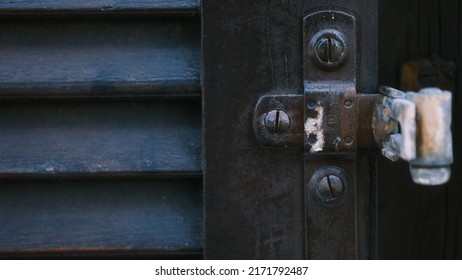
(277,121)
(330,188)
(328,49)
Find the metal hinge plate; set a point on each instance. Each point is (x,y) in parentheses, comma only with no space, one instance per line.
(331,118)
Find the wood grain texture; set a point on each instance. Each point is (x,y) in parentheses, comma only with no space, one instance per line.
(99,57)
(255,195)
(100,138)
(100,155)
(157,216)
(416,222)
(159,7)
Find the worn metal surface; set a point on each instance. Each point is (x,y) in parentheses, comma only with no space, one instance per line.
(328,49)
(434,137)
(330,126)
(423,136)
(292,135)
(394,125)
(277,121)
(366,107)
(331,186)
(295,133)
(330,116)
(330,97)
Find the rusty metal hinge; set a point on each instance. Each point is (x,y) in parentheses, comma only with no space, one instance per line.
(416,127)
(330,118)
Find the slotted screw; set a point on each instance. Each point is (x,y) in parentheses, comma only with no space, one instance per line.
(331,188)
(330,50)
(277,121)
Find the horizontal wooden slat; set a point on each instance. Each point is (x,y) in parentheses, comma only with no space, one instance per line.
(100,216)
(99,57)
(176,7)
(181,89)
(116,138)
(104,254)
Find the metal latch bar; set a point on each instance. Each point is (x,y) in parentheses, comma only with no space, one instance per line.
(423,137)
(324,119)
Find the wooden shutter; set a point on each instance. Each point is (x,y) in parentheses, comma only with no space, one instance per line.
(100,120)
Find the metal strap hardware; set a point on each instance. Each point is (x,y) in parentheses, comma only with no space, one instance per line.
(331,119)
(416,127)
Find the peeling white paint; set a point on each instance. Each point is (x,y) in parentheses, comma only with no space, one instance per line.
(314,126)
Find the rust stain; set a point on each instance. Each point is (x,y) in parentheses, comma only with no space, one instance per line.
(430,128)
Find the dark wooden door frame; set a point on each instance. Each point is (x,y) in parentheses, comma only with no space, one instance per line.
(254,196)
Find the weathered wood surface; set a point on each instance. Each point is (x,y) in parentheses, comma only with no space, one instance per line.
(99,57)
(105,138)
(120,216)
(255,195)
(100,149)
(162,7)
(417,222)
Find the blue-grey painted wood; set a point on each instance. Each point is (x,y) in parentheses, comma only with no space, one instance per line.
(92,163)
(104,138)
(99,57)
(160,216)
(176,7)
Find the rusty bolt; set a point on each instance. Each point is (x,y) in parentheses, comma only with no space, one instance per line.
(277,121)
(328,49)
(330,188)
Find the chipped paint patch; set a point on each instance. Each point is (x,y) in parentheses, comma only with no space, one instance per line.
(313,126)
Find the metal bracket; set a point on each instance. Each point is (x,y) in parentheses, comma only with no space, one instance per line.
(329,75)
(415,127)
(330,55)
(423,136)
(411,126)
(394,125)
(292,134)
(330,117)
(323,120)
